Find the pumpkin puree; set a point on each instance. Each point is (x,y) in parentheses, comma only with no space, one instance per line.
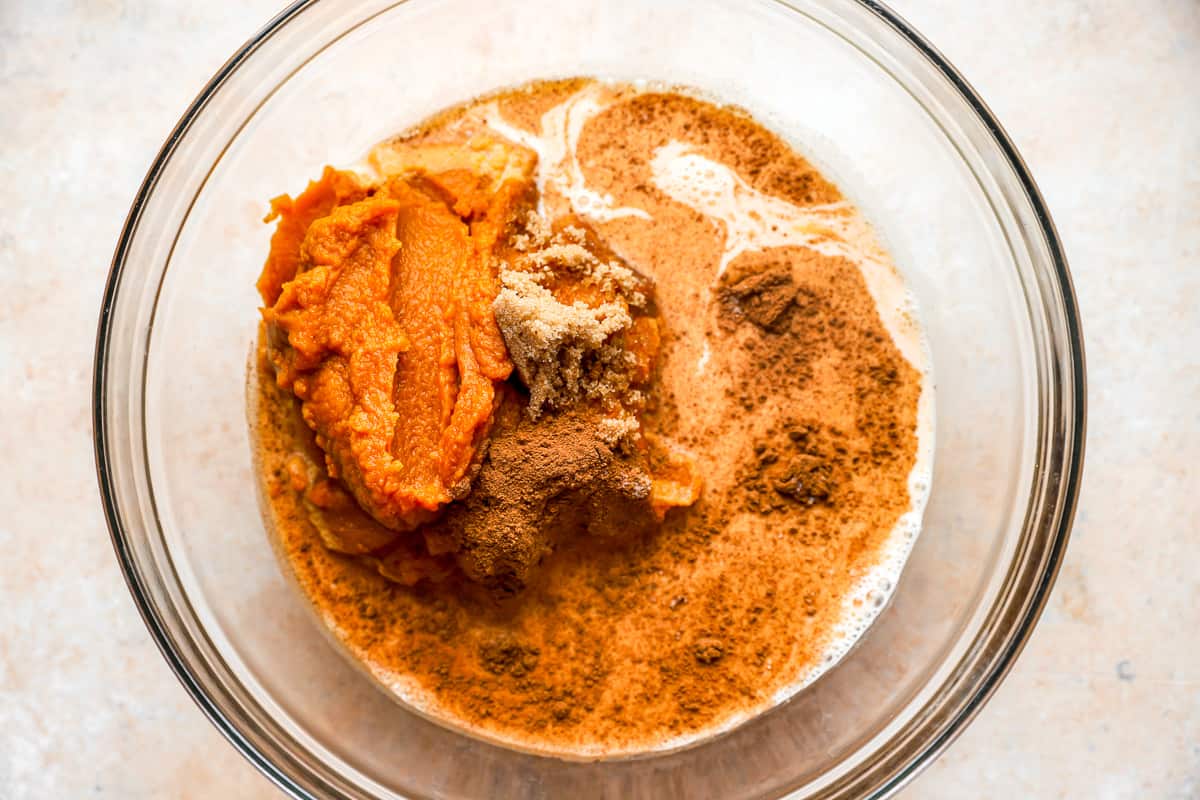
(383,295)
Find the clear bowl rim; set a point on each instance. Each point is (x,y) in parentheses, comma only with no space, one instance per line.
(1069,480)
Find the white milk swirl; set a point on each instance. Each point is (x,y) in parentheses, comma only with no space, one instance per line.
(558,164)
(753,221)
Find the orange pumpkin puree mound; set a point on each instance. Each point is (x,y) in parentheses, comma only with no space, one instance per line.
(378,306)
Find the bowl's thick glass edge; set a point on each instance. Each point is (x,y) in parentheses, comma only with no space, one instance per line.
(1059,527)
(134,581)
(1062,511)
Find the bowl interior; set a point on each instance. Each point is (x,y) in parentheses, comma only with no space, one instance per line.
(329,83)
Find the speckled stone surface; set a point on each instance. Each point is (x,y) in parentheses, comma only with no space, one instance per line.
(1100,97)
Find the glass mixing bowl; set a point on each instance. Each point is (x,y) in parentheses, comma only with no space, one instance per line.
(874,104)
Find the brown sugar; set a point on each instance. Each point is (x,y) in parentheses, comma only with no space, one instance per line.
(554,606)
(575,320)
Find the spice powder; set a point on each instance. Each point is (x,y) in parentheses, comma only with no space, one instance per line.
(777,373)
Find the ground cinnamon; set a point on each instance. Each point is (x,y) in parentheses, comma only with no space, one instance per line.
(780,375)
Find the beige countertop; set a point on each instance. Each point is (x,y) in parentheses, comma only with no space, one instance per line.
(1100,97)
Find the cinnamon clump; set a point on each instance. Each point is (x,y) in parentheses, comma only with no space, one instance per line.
(541,483)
